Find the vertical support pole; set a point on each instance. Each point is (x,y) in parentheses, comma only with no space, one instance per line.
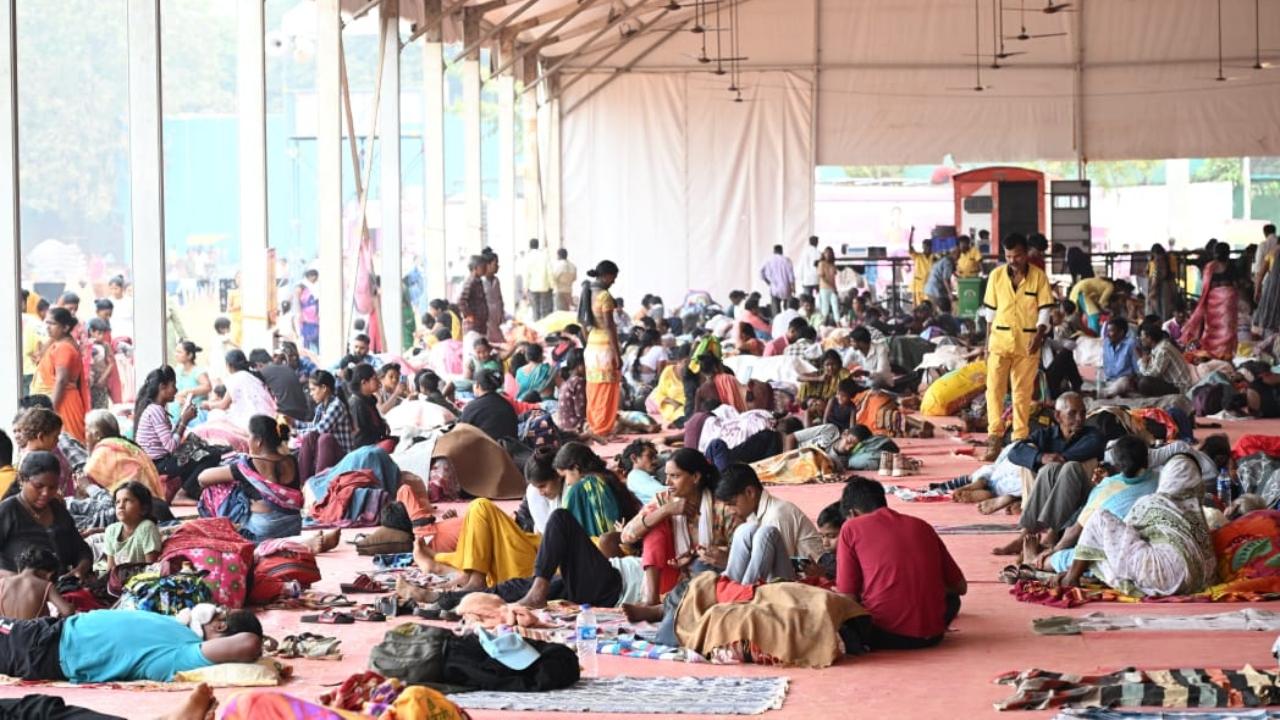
(10,236)
(528,69)
(504,239)
(251,111)
(551,210)
(389,194)
(329,228)
(437,258)
(146,166)
(474,189)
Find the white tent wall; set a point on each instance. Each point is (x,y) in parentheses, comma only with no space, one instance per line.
(682,187)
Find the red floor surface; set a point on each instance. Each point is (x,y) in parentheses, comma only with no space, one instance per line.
(992,635)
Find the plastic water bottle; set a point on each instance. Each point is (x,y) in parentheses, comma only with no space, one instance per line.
(587,631)
(1224,489)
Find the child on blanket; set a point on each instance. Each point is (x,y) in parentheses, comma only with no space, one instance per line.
(135,537)
(28,594)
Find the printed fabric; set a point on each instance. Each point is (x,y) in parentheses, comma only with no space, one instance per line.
(1037,689)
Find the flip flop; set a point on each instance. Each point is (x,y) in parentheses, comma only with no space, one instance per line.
(363,584)
(368,613)
(329,617)
(310,645)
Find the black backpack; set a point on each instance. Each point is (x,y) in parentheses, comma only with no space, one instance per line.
(467,664)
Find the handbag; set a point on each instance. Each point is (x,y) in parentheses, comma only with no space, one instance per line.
(411,653)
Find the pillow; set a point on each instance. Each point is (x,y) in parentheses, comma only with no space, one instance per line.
(264,673)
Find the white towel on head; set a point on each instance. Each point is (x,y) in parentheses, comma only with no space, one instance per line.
(197,617)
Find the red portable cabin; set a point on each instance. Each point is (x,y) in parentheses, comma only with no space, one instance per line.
(1001,200)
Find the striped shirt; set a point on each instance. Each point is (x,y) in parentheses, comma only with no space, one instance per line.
(1166,362)
(154,433)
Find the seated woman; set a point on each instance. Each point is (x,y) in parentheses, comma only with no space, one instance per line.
(38,430)
(719,382)
(1162,546)
(492,548)
(684,527)
(258,491)
(330,435)
(114,459)
(369,427)
(747,342)
(667,399)
(156,435)
(36,516)
(247,394)
(536,375)
(817,388)
(134,537)
(193,380)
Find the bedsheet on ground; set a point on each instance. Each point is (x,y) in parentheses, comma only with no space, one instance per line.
(1037,689)
(976,529)
(1108,714)
(683,695)
(1248,619)
(1040,592)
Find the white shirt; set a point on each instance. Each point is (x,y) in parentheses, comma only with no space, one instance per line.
(875,362)
(563,275)
(782,320)
(632,573)
(537,275)
(798,532)
(540,508)
(809,266)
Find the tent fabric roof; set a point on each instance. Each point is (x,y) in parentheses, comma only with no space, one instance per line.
(894,78)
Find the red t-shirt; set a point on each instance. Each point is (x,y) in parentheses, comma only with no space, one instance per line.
(898,568)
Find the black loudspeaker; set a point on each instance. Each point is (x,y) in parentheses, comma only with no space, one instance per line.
(1019,208)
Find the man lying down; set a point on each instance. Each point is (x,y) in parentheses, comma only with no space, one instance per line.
(121,645)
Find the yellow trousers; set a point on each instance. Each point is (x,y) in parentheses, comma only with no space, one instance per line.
(490,542)
(1002,370)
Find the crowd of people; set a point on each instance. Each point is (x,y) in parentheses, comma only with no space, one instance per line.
(492,405)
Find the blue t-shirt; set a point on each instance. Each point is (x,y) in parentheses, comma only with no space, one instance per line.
(106,645)
(643,485)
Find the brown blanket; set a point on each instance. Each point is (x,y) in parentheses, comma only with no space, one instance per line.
(793,623)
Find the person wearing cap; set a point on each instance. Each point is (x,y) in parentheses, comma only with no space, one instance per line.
(1016,304)
(602,354)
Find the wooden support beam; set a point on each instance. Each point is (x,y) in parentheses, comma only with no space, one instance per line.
(251,111)
(566,84)
(329,235)
(545,38)
(488,34)
(623,70)
(473,137)
(10,216)
(389,234)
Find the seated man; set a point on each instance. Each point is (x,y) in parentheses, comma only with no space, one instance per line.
(109,645)
(898,568)
(1162,368)
(872,358)
(773,530)
(1069,440)
(1118,374)
(1062,457)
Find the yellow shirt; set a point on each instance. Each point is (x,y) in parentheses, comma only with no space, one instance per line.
(920,271)
(1017,310)
(7,475)
(969,263)
(30,344)
(1096,291)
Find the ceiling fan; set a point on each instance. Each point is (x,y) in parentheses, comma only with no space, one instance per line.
(1052,9)
(998,51)
(1023,34)
(977,59)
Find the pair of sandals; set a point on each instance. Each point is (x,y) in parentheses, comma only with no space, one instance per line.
(366,613)
(306,645)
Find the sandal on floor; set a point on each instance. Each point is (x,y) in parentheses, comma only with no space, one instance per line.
(329,617)
(368,613)
(310,645)
(363,584)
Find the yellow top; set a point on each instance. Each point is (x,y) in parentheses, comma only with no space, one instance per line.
(1097,293)
(969,263)
(7,476)
(920,271)
(1017,309)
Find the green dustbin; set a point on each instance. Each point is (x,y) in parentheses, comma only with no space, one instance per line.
(970,292)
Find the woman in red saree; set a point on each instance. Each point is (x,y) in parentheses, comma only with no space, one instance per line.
(1212,327)
(60,373)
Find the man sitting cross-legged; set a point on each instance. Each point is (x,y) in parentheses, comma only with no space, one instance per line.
(1063,457)
(898,568)
(773,530)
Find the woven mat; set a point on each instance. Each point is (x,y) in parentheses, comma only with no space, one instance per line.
(686,695)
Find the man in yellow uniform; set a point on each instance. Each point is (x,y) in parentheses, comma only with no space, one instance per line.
(969,261)
(920,270)
(1016,305)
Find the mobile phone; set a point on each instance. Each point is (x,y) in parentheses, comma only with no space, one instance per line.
(799,563)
